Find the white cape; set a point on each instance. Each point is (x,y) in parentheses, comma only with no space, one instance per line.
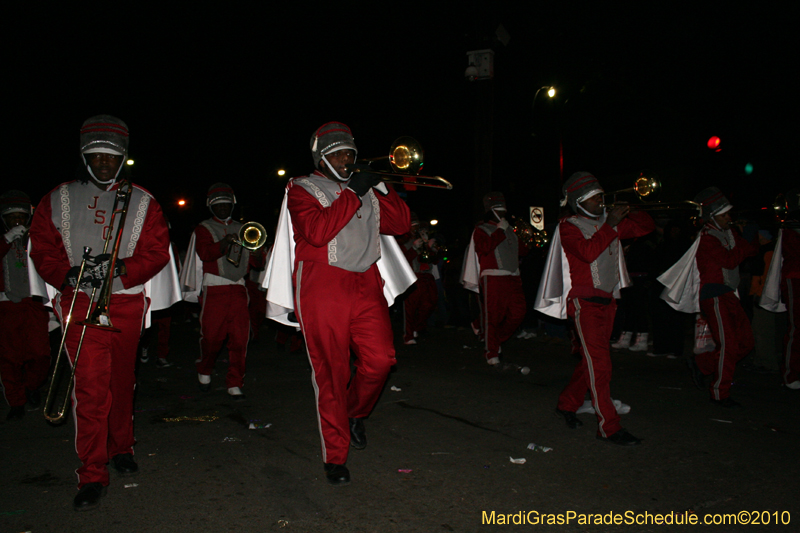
(394,269)
(162,289)
(191,281)
(771,295)
(682,282)
(471,268)
(556,283)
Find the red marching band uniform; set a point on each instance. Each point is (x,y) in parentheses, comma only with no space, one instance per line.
(782,288)
(421,300)
(584,272)
(222,293)
(491,268)
(24,341)
(77,214)
(705,279)
(334,269)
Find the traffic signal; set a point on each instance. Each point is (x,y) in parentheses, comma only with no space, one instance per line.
(713,143)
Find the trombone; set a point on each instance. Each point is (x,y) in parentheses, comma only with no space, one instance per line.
(406,159)
(251,236)
(647,188)
(95,318)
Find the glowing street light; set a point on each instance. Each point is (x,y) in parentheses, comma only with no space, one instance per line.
(129,162)
(281,172)
(181,202)
(434,222)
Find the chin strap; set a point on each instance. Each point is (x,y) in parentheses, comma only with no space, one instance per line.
(588,214)
(224,220)
(336,174)
(107,183)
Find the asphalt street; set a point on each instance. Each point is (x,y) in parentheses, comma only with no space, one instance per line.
(441,442)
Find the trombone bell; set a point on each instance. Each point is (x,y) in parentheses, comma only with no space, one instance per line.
(405,156)
(406,160)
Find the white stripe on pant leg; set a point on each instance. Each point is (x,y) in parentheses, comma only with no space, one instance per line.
(200,318)
(721,362)
(298,313)
(790,341)
(589,367)
(485,313)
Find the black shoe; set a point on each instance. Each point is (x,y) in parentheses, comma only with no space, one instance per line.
(337,474)
(34,398)
(88,497)
(204,387)
(622,438)
(570,417)
(698,378)
(358,435)
(727,403)
(124,464)
(16,413)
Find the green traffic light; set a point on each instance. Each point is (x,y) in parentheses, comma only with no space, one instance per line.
(748,168)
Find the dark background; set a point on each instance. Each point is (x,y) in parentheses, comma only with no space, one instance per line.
(215,92)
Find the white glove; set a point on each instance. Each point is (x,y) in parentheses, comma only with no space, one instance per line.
(503,224)
(14,233)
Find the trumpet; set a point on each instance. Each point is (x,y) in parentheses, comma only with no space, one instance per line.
(251,236)
(647,188)
(97,317)
(406,159)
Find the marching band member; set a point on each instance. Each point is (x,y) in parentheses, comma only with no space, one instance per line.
(24,342)
(333,269)
(421,301)
(491,268)
(77,214)
(585,270)
(224,296)
(782,288)
(705,279)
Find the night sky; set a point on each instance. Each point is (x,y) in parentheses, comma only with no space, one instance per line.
(226,93)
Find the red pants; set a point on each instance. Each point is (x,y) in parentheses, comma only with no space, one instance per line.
(224,315)
(790,366)
(24,348)
(419,305)
(338,311)
(593,325)
(503,310)
(102,401)
(733,337)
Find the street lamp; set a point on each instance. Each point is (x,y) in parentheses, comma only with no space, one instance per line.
(551,92)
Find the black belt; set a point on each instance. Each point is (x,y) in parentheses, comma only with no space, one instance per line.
(598,300)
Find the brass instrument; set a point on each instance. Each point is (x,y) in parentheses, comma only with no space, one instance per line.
(406,159)
(251,236)
(647,188)
(97,317)
(529,236)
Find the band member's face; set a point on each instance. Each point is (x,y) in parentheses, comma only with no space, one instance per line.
(338,160)
(104,166)
(15,219)
(594,204)
(723,220)
(222,210)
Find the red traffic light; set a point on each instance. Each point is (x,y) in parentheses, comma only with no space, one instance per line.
(713,143)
